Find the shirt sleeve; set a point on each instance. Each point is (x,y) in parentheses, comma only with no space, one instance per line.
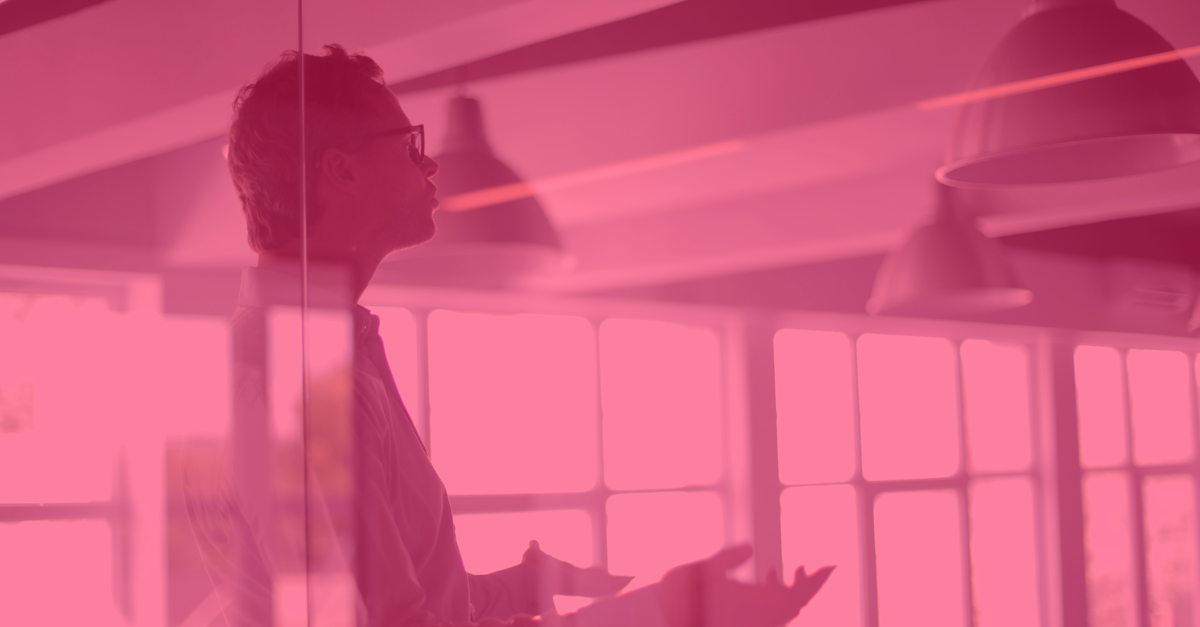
(491,597)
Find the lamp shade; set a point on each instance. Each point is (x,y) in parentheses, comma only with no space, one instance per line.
(1115,124)
(496,243)
(946,267)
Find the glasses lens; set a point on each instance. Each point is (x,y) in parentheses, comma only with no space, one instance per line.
(417,150)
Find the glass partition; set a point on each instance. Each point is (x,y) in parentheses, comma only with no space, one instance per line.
(125,478)
(324,313)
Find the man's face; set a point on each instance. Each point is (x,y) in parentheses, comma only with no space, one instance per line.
(398,197)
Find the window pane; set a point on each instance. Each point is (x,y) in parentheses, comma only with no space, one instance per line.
(512,402)
(996,390)
(1004,571)
(57,573)
(1160,406)
(909,407)
(918,559)
(1171,550)
(1098,389)
(64,396)
(648,534)
(198,357)
(820,528)
(814,405)
(491,542)
(399,335)
(1109,554)
(661,390)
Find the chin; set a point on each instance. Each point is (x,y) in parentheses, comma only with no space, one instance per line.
(416,235)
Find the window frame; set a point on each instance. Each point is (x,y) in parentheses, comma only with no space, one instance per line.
(138,585)
(729,488)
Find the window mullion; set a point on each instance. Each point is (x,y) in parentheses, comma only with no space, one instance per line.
(599,507)
(866,503)
(963,489)
(759,351)
(1063,494)
(1137,511)
(1040,462)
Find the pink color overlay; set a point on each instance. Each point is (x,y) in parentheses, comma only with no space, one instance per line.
(681,366)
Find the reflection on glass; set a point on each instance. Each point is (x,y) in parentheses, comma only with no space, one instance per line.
(660,386)
(996,396)
(1107,540)
(918,559)
(1171,550)
(58,387)
(1160,406)
(909,406)
(1101,401)
(651,533)
(1004,565)
(123,238)
(814,402)
(270,512)
(820,526)
(515,395)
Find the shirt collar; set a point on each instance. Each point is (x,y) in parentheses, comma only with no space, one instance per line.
(328,288)
(279,285)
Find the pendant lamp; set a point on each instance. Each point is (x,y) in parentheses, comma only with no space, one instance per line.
(946,267)
(1115,124)
(496,244)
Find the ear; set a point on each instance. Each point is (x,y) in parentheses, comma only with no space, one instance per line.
(338,169)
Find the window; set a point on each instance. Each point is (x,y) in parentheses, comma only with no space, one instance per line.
(611,435)
(1136,431)
(77,453)
(600,437)
(512,402)
(914,453)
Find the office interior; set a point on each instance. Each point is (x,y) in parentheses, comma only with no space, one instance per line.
(827,278)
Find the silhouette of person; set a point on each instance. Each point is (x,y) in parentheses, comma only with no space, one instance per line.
(369,193)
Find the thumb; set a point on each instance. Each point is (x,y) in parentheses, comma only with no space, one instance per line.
(533,552)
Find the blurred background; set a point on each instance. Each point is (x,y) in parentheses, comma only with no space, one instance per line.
(905,286)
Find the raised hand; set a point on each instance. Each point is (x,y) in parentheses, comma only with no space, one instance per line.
(551,576)
(701,594)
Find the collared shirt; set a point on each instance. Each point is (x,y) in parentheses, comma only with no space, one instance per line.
(410,571)
(408,568)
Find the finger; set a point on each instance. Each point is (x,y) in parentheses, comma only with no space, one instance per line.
(727,559)
(772,578)
(806,587)
(817,578)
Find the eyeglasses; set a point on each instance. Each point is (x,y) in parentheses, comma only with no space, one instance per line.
(416,145)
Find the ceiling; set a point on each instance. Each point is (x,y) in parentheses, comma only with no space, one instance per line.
(790,131)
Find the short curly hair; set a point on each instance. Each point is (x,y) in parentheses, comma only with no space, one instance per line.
(341,104)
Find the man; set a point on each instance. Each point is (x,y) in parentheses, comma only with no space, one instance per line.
(368,188)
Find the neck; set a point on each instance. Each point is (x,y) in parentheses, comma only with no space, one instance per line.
(361,264)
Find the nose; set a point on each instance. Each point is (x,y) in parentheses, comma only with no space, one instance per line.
(428,166)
